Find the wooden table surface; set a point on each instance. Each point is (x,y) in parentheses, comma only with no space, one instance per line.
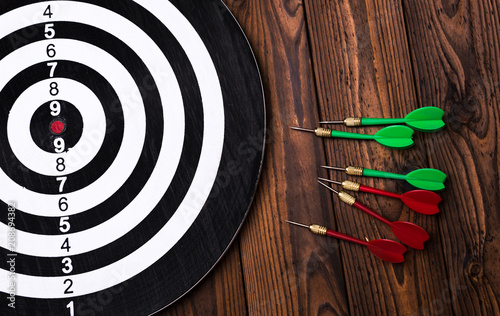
(330,59)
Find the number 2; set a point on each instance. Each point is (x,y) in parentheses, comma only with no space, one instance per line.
(68,291)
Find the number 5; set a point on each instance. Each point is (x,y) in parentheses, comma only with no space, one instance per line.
(64,225)
(49,31)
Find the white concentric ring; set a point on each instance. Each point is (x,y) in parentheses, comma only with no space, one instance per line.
(167,237)
(39,160)
(134,129)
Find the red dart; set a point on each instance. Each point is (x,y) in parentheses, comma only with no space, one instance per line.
(421,201)
(384,249)
(410,234)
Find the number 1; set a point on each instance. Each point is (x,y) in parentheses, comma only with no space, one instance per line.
(71,307)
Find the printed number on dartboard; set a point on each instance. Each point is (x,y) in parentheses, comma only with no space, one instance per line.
(59,148)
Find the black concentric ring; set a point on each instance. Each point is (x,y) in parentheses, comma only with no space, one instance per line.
(214,228)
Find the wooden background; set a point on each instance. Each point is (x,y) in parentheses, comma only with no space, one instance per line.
(328,59)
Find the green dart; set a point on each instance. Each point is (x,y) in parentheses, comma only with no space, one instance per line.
(425,179)
(426,119)
(397,136)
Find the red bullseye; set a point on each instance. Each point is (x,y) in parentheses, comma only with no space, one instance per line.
(57,127)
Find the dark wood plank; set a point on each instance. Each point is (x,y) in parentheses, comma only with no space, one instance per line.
(287,270)
(222,292)
(363,68)
(456,57)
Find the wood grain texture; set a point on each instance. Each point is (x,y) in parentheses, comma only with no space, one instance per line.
(325,59)
(363,68)
(456,54)
(286,271)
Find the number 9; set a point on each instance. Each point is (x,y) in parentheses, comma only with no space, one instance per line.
(55,108)
(59,145)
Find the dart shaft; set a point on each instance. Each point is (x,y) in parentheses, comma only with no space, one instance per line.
(338,235)
(370,212)
(382,174)
(382,121)
(350,200)
(367,189)
(340,134)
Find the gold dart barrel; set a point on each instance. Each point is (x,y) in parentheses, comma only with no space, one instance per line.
(323,132)
(351,186)
(318,230)
(354,171)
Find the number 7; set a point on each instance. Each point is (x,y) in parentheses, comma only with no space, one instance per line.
(52,66)
(63,181)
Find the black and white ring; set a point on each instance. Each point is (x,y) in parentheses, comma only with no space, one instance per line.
(227,136)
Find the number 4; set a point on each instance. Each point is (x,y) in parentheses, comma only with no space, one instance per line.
(48,12)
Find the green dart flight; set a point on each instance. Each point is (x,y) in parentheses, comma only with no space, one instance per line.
(425,179)
(426,119)
(397,136)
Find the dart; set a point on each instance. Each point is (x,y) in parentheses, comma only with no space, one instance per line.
(397,136)
(421,201)
(384,249)
(425,179)
(426,119)
(409,233)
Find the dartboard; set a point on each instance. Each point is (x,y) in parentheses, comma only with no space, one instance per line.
(131,141)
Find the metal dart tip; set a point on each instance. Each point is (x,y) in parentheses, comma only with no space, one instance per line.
(302,129)
(330,181)
(331,122)
(333,168)
(298,224)
(328,187)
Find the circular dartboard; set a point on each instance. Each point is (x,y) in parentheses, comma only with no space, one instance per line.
(131,141)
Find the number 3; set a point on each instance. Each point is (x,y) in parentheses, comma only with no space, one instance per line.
(68,267)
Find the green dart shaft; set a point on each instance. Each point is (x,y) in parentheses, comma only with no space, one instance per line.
(382,174)
(340,134)
(382,121)
(425,179)
(396,136)
(327,133)
(426,119)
